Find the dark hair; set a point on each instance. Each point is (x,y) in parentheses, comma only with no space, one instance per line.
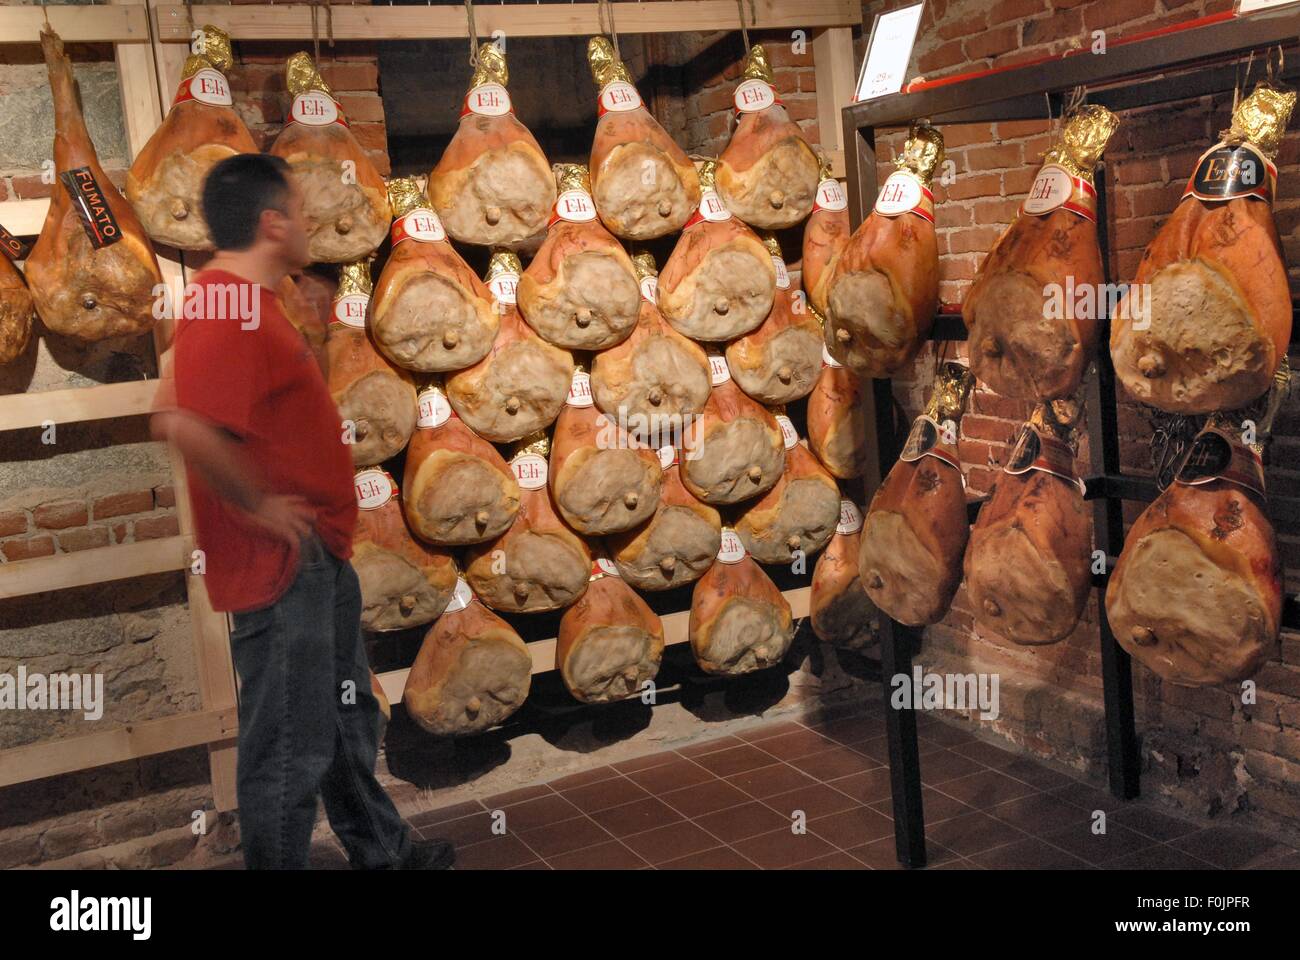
(236,192)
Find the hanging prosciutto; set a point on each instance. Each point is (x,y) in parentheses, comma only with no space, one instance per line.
(824,236)
(1216,320)
(493,185)
(767,176)
(837,426)
(343,194)
(839,608)
(1032,312)
(16,308)
(165,182)
(643,183)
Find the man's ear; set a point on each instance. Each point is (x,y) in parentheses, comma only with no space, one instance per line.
(270,224)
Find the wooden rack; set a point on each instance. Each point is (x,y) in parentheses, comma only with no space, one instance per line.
(1125,78)
(150,47)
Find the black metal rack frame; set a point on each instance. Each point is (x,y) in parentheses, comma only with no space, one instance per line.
(1128,75)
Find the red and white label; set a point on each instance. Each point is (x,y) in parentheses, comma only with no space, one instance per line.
(316,109)
(618,96)
(350,310)
(504,287)
(374,488)
(903,193)
(667,456)
(460,597)
(576,206)
(530,470)
(731,549)
(420,224)
(782,274)
(788,433)
(207,86)
(603,567)
(488,100)
(432,409)
(719,372)
(711,208)
(755,95)
(827,359)
(580,390)
(831,196)
(650,290)
(850,518)
(1056,187)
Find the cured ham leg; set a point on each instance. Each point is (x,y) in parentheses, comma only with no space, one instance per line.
(1032,312)
(837,428)
(767,176)
(839,608)
(884,287)
(493,185)
(824,236)
(610,642)
(739,620)
(92,272)
(16,311)
(165,182)
(736,450)
(644,184)
(1214,319)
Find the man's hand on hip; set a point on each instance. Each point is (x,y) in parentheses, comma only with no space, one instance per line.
(285,516)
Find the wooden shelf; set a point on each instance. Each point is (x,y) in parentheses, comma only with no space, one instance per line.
(24,218)
(102,564)
(76,23)
(543,651)
(447,22)
(19,411)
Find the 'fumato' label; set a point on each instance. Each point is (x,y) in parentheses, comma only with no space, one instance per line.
(374,488)
(11,246)
(830,196)
(930,438)
(1036,450)
(618,96)
(504,287)
(91,205)
(711,208)
(719,372)
(731,549)
(904,193)
(487,100)
(207,86)
(580,390)
(316,108)
(1225,173)
(650,290)
(460,597)
(576,206)
(419,224)
(350,310)
(530,470)
(1217,455)
(782,274)
(788,433)
(755,95)
(850,518)
(432,409)
(1056,187)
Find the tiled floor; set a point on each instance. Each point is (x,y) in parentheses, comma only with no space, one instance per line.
(817,796)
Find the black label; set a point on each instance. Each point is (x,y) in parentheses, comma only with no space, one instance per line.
(1026,451)
(11,246)
(91,204)
(923,438)
(1228,172)
(1207,459)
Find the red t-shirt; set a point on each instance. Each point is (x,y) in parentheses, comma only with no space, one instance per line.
(263,385)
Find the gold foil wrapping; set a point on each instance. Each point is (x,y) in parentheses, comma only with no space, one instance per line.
(216,53)
(922,152)
(1261,119)
(708,171)
(537,442)
(404,194)
(571,176)
(1082,140)
(491,66)
(952,387)
(503,262)
(605,66)
(1057,418)
(774,248)
(824,165)
(644,263)
(301,75)
(756,65)
(354,277)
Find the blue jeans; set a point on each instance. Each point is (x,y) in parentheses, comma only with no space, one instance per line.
(309,725)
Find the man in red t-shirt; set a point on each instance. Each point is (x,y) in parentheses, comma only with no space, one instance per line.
(274,510)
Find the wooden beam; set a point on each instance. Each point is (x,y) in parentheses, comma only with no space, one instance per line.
(833,67)
(50,758)
(447,22)
(19,411)
(24,218)
(543,651)
(75,23)
(21,578)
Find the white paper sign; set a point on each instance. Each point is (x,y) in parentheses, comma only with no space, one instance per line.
(888,53)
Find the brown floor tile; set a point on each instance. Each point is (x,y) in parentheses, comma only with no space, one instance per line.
(851,729)
(770,730)
(839,860)
(704,798)
(877,748)
(852,827)
(583,778)
(603,856)
(1232,847)
(674,775)
(499,853)
(557,838)
(771,780)
(533,865)
(944,734)
(538,813)
(944,765)
(973,833)
(1039,814)
(1290,862)
(986,789)
(817,800)
(499,800)
(733,760)
(783,848)
(469,829)
(1028,854)
(865,787)
(718,858)
(670,842)
(1160,857)
(791,746)
(834,763)
(960,863)
(882,854)
(1087,796)
(1099,848)
(605,794)
(636,817)
(935,806)
(443,814)
(1153,823)
(646,761)
(986,753)
(710,746)
(747,820)
(1035,774)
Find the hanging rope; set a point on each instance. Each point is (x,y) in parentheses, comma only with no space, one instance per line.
(189,17)
(473,33)
(744,33)
(315,34)
(45,11)
(315,7)
(605,20)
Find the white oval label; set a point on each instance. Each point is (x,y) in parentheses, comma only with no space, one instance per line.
(374,488)
(314,108)
(719,372)
(351,309)
(209,86)
(432,408)
(650,289)
(1052,187)
(530,470)
(619,95)
(850,518)
(831,196)
(788,433)
(580,390)
(460,597)
(754,95)
(575,206)
(827,359)
(504,287)
(489,100)
(667,456)
(423,224)
(782,274)
(712,208)
(731,549)
(900,194)
(606,566)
